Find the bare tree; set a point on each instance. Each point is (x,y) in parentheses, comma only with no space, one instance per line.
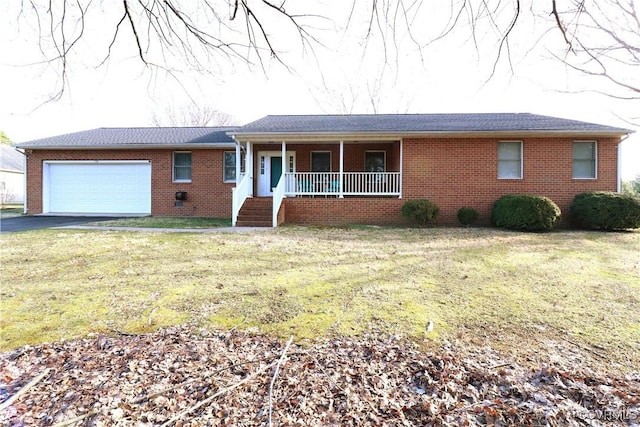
(603,40)
(197,33)
(192,115)
(599,38)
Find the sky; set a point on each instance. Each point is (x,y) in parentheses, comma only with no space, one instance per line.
(394,70)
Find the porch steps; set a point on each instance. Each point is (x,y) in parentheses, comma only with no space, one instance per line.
(256,212)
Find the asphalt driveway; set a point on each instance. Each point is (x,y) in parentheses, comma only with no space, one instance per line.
(23,223)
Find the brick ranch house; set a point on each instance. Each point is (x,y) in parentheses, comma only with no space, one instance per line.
(321,169)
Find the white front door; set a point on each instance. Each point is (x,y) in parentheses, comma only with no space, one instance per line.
(270,170)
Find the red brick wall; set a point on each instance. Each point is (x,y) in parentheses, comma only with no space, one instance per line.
(463,172)
(350,210)
(207,195)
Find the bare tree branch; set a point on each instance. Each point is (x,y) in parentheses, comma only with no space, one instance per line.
(602,38)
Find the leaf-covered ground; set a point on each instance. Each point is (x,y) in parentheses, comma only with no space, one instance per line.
(186,376)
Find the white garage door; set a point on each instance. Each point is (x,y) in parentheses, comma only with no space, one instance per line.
(97,187)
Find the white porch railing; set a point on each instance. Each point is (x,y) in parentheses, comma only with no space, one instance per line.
(278,195)
(239,195)
(353,184)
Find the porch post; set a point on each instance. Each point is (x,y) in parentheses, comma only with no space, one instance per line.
(401,171)
(238,164)
(341,181)
(248,166)
(284,160)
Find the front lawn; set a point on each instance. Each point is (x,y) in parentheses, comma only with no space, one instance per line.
(515,292)
(167,222)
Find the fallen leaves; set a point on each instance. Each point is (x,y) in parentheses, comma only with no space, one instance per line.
(185,376)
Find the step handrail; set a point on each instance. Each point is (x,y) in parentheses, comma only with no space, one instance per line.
(278,196)
(240,193)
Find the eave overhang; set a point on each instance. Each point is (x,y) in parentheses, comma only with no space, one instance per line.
(276,137)
(187,146)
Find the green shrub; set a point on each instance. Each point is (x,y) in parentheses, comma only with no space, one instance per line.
(467,215)
(525,212)
(602,210)
(420,211)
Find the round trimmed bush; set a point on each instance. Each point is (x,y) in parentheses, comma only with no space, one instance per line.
(601,210)
(420,211)
(467,215)
(525,212)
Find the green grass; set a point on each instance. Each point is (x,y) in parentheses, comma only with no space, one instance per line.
(513,291)
(11,210)
(167,222)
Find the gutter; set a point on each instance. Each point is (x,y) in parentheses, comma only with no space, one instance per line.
(324,136)
(127,146)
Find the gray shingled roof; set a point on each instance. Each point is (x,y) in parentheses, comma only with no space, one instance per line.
(419,123)
(10,159)
(314,125)
(143,137)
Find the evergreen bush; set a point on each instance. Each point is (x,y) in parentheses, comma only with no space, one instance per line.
(467,215)
(420,211)
(525,212)
(601,210)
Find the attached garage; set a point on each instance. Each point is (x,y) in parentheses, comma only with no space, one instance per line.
(97,187)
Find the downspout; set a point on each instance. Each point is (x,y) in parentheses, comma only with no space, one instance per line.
(619,161)
(24,181)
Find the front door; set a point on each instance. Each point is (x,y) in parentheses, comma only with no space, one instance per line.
(270,170)
(276,170)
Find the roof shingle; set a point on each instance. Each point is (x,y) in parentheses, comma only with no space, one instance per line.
(10,159)
(150,136)
(417,123)
(310,125)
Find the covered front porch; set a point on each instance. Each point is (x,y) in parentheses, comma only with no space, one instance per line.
(316,169)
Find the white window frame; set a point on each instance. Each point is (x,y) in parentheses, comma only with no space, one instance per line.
(521,175)
(173,167)
(595,159)
(224,166)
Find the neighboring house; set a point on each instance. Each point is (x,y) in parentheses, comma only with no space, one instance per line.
(322,169)
(11,175)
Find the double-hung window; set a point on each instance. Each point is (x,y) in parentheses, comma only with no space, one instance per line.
(181,166)
(584,159)
(510,160)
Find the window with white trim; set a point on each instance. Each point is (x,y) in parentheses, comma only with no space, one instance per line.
(584,159)
(510,160)
(229,173)
(182,166)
